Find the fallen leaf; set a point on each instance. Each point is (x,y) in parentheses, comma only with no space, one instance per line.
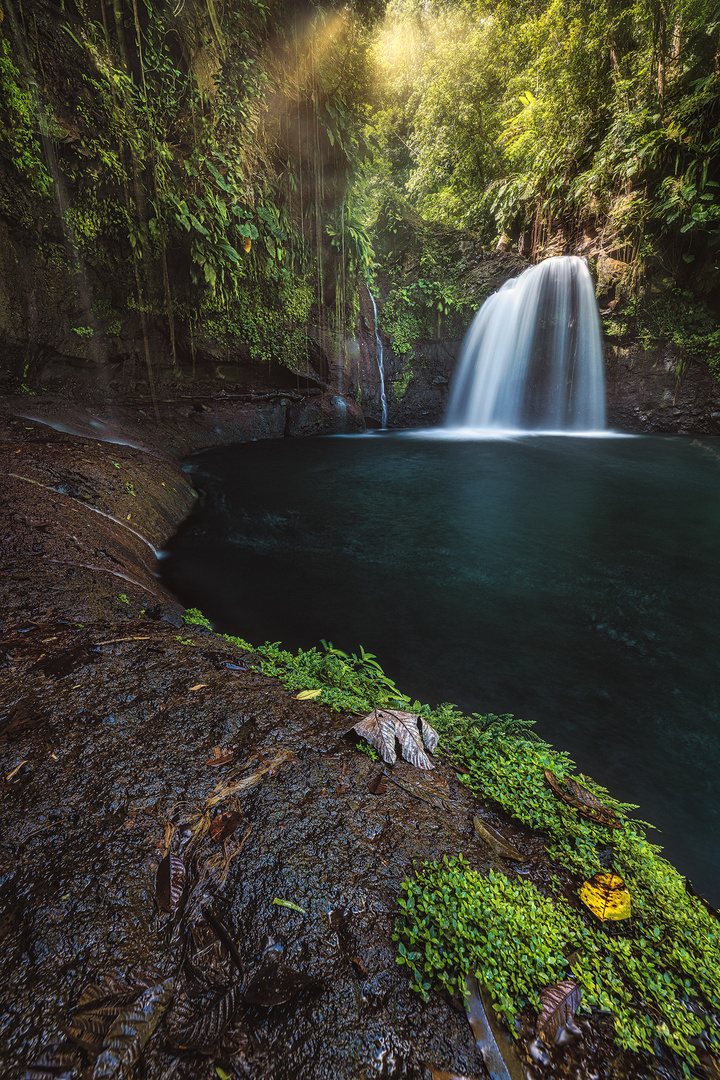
(582,800)
(305,695)
(169,883)
(606,896)
(223,934)
(382,727)
(442,1074)
(224,825)
(219,758)
(26,713)
(289,904)
(100,1005)
(198,1023)
(17,768)
(60,665)
(559,1005)
(57,1060)
(496,840)
(198,686)
(378,785)
(129,1034)
(221,1073)
(275,984)
(498,1052)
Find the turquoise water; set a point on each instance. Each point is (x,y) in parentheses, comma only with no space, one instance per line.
(569,580)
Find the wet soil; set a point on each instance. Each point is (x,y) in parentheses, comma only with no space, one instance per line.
(127,736)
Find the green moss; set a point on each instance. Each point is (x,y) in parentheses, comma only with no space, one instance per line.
(20,125)
(656,978)
(671,316)
(349,682)
(401,383)
(658,974)
(271,321)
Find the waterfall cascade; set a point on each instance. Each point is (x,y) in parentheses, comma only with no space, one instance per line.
(532,359)
(380,364)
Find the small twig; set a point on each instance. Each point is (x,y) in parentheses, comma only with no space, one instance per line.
(112,641)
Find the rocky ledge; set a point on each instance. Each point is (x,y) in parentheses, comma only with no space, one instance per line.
(147,765)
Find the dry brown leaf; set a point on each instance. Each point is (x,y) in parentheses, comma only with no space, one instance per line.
(169,883)
(382,727)
(582,800)
(224,825)
(559,1005)
(378,785)
(496,840)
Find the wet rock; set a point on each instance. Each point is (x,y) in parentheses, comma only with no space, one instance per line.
(114,714)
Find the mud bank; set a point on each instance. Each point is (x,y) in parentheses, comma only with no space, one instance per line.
(127,735)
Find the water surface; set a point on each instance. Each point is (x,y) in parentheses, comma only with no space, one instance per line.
(572,581)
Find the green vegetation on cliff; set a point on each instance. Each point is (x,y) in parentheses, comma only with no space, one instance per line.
(233,171)
(577,127)
(197,162)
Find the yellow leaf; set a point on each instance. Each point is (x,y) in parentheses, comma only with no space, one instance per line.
(248,243)
(198,686)
(606,896)
(305,695)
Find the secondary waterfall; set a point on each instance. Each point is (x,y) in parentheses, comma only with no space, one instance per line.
(380,364)
(532,358)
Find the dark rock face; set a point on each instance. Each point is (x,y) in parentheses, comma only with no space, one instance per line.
(425,401)
(121,728)
(658,391)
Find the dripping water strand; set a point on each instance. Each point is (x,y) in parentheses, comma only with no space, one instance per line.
(381,368)
(380,362)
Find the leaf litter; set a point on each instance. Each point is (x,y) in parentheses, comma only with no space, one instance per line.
(131,1031)
(606,896)
(277,983)
(170,883)
(382,727)
(559,1005)
(582,800)
(198,1021)
(496,840)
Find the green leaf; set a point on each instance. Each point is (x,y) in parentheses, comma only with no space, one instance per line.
(289,904)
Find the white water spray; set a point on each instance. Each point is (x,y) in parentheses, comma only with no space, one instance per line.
(532,359)
(380,363)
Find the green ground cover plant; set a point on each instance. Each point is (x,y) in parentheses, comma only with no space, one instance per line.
(658,974)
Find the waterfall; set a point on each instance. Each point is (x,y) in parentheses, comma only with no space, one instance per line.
(532,358)
(379,356)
